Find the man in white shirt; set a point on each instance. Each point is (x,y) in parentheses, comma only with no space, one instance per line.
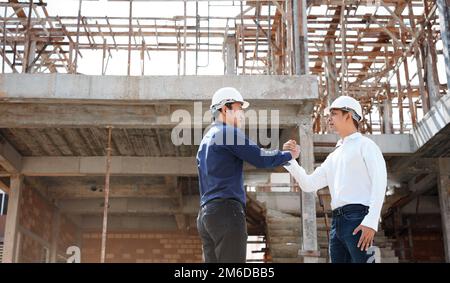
(355,173)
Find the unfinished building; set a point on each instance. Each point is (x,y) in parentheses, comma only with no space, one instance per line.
(88,164)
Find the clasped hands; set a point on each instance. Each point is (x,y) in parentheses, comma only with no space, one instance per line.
(293,147)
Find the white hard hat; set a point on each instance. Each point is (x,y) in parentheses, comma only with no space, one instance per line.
(227,95)
(347,103)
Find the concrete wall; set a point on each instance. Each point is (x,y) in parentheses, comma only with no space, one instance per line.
(143,247)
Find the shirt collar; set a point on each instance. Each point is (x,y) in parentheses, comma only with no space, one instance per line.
(347,138)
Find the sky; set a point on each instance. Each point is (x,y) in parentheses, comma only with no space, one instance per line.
(165,63)
(161,63)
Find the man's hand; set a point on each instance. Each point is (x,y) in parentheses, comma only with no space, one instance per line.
(366,239)
(292,146)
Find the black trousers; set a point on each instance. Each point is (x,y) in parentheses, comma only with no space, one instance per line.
(222,227)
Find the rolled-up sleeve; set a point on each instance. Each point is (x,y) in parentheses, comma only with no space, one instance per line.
(376,167)
(308,183)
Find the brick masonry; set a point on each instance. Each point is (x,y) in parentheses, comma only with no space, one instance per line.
(143,247)
(35,216)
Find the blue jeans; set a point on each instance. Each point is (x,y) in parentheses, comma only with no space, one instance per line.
(343,244)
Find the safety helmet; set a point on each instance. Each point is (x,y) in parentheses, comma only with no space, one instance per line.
(349,104)
(227,95)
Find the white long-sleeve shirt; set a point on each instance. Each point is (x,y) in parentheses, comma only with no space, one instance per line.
(355,173)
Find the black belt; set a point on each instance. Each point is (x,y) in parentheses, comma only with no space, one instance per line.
(222,200)
(349,207)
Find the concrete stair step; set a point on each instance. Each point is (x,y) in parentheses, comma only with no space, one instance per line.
(387,253)
(284,250)
(287,260)
(286,239)
(283,233)
(389,260)
(276,221)
(295,260)
(282,226)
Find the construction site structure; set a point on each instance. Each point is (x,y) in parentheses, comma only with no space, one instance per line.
(89,102)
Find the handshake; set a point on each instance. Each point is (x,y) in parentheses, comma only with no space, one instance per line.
(293,147)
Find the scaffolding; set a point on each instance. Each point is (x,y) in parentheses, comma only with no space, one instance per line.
(384,53)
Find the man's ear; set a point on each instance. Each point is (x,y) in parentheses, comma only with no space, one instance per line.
(349,116)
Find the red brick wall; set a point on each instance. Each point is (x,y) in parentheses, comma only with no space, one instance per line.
(35,215)
(67,235)
(143,247)
(2,225)
(427,247)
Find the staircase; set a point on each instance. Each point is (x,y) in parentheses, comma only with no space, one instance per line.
(284,237)
(1,252)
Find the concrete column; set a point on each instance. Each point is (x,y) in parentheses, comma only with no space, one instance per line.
(444,20)
(12,220)
(230,55)
(308,200)
(444,201)
(55,235)
(387,116)
(301,37)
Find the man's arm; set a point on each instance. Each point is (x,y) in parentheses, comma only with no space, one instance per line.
(376,167)
(250,152)
(308,183)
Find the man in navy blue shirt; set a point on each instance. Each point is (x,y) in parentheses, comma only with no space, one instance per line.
(221,220)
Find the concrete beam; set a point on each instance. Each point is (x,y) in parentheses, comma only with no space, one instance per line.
(433,122)
(120,115)
(64,88)
(10,159)
(130,206)
(120,165)
(444,201)
(12,220)
(390,144)
(116,191)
